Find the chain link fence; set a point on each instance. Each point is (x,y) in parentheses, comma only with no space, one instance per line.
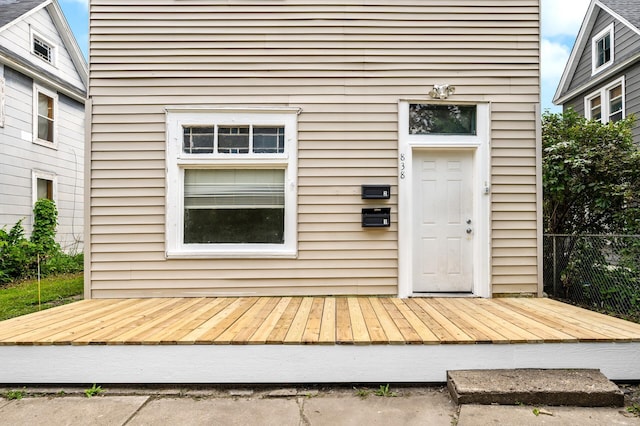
(599,272)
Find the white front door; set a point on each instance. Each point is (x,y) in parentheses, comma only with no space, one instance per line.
(443,221)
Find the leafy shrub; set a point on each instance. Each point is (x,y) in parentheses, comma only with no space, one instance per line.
(19,256)
(45,220)
(62,263)
(16,251)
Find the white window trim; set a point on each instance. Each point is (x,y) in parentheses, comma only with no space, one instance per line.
(56,116)
(480,145)
(594,51)
(177,162)
(53,46)
(603,92)
(39,174)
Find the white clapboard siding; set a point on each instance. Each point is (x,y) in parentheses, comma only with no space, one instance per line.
(346,64)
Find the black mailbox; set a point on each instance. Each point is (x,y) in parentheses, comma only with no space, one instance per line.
(376,218)
(376,192)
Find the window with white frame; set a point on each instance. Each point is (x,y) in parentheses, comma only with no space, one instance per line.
(607,103)
(43,48)
(43,185)
(44,116)
(602,49)
(231,182)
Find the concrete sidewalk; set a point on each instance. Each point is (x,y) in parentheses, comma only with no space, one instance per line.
(295,406)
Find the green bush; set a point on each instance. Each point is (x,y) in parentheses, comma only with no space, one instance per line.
(45,220)
(62,263)
(19,256)
(16,254)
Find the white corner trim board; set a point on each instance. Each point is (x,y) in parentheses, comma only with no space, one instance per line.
(300,363)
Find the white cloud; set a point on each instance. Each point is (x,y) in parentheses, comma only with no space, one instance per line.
(554,58)
(562,17)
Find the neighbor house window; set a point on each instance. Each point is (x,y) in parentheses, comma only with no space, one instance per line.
(231,182)
(43,48)
(439,119)
(45,115)
(602,49)
(44,185)
(607,103)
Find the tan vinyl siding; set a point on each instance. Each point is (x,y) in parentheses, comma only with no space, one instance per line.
(346,64)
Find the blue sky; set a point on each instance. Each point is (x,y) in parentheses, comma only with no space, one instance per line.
(561,21)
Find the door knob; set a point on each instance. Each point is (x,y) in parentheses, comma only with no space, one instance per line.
(469,230)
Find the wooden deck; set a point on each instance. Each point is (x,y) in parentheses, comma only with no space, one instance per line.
(314,320)
(308,339)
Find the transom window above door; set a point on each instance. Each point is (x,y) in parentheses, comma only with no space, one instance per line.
(441,119)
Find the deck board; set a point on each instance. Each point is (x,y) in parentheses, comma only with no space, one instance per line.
(376,332)
(453,333)
(355,320)
(265,329)
(311,332)
(281,328)
(328,326)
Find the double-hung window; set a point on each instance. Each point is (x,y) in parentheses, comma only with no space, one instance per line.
(231,182)
(607,103)
(45,113)
(602,50)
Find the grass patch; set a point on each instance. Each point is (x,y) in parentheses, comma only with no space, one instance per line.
(22,298)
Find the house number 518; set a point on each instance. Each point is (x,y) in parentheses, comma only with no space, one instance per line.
(402,166)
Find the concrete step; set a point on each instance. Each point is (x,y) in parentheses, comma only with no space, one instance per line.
(579,388)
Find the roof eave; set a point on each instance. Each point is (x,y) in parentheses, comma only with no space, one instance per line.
(578,46)
(596,81)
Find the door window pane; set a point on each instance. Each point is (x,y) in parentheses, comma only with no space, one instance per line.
(427,119)
(233,206)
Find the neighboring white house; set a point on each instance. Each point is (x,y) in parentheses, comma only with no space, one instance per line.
(43,80)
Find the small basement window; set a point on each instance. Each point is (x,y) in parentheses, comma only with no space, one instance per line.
(439,119)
